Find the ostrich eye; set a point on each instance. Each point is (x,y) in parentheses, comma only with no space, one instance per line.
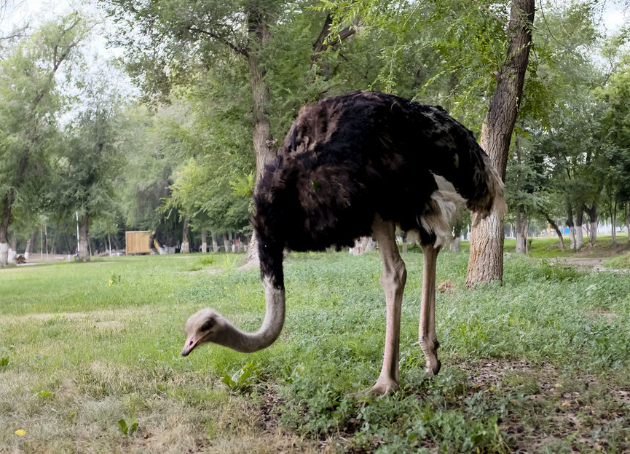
(208,324)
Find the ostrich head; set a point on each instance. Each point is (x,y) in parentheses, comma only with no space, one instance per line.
(204,326)
(208,325)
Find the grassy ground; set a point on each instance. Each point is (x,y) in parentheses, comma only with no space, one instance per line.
(540,364)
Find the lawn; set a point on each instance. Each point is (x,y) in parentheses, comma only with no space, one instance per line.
(540,364)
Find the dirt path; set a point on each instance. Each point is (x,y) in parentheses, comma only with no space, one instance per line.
(590,264)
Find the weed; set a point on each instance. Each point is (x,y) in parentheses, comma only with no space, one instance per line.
(128,428)
(243,379)
(4,362)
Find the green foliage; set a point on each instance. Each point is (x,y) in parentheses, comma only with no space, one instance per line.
(619,262)
(4,361)
(243,379)
(128,428)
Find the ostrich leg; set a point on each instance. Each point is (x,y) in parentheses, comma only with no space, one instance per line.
(393,283)
(427,337)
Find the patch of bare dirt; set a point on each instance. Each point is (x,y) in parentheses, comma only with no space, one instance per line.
(445,286)
(598,314)
(587,263)
(209,271)
(249,265)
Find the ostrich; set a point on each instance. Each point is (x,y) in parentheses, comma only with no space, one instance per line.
(355,165)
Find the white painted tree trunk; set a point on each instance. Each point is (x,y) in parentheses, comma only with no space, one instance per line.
(579,237)
(572,236)
(215,245)
(593,233)
(83,235)
(227,244)
(204,244)
(4,254)
(185,248)
(363,245)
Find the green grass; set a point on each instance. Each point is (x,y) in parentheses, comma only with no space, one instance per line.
(619,262)
(540,364)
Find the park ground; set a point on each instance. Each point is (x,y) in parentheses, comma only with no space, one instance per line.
(89,357)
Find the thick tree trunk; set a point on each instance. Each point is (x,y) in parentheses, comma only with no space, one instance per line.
(204,243)
(579,229)
(29,245)
(215,245)
(404,242)
(627,213)
(84,223)
(263,141)
(486,242)
(185,249)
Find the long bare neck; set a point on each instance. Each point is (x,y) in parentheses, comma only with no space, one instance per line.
(269,331)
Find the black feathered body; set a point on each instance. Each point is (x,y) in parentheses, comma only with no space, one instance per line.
(349,157)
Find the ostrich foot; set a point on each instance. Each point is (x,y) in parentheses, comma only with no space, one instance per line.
(385,385)
(429,347)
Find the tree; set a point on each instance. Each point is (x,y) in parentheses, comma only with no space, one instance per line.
(486,242)
(90,159)
(28,104)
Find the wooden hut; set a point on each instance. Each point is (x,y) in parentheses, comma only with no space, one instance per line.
(138,242)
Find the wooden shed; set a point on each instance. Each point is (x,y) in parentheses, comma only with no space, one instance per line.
(138,242)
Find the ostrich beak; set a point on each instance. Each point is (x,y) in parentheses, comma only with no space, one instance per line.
(190,345)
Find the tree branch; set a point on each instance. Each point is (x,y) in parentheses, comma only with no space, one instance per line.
(235,48)
(482,6)
(321,44)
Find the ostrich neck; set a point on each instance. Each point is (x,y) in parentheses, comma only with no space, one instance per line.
(270,329)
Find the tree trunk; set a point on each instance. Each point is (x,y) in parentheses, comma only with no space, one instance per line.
(592,217)
(520,237)
(579,230)
(29,245)
(263,140)
(215,245)
(521,232)
(404,242)
(204,243)
(627,213)
(557,229)
(8,208)
(227,244)
(486,242)
(363,245)
(13,243)
(571,225)
(613,221)
(456,244)
(185,249)
(84,223)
